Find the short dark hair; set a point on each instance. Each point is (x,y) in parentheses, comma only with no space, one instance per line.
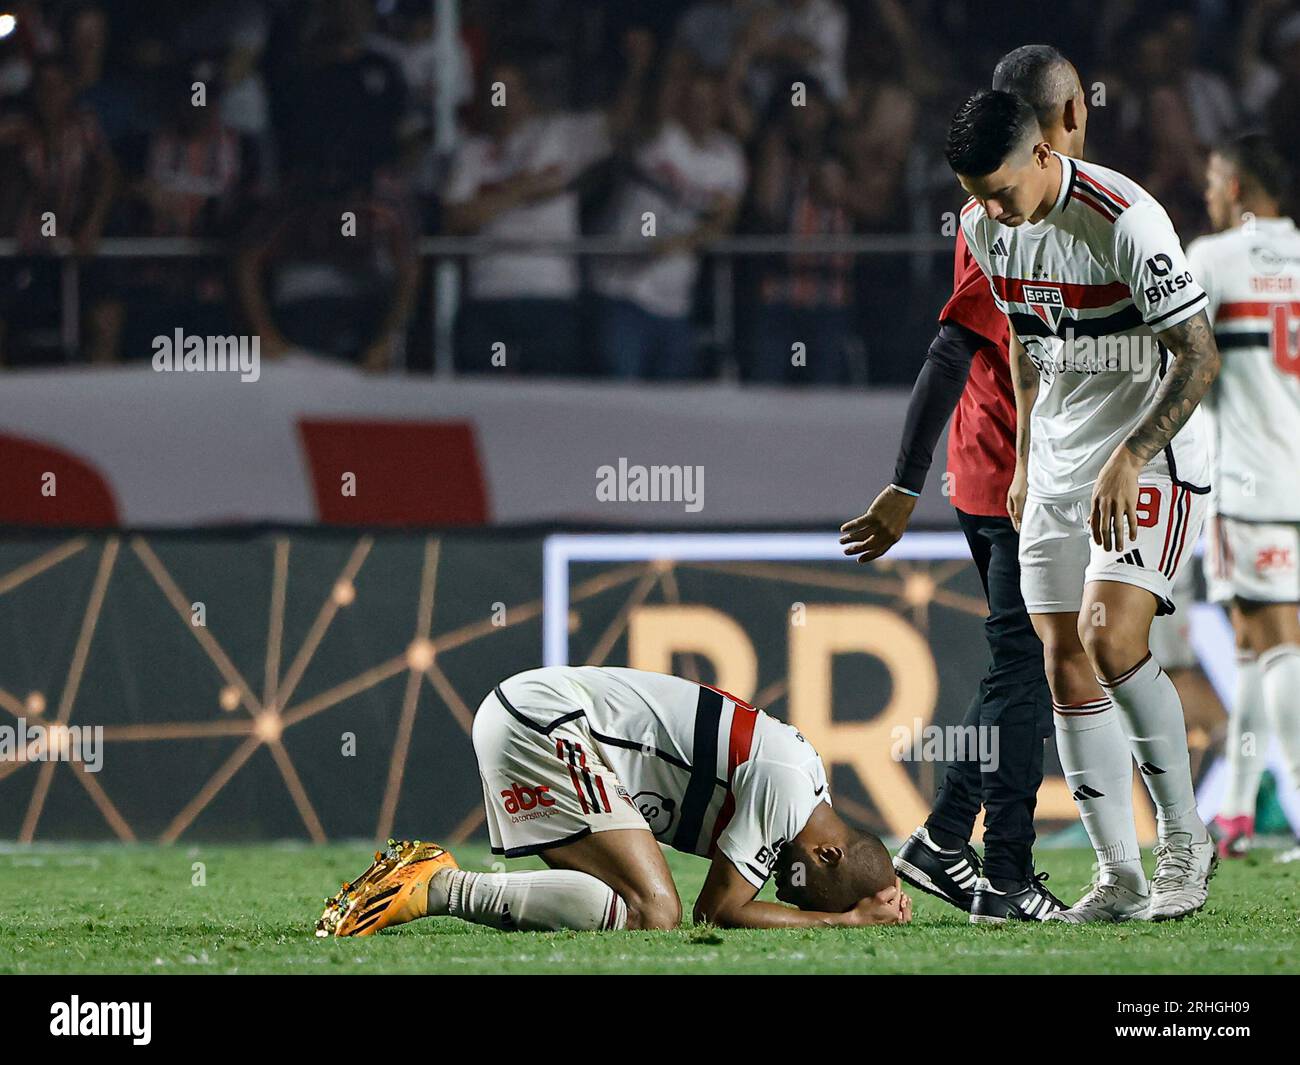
(986,129)
(1258,164)
(865,870)
(1041,75)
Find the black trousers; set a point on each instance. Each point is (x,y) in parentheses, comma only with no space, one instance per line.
(1014,702)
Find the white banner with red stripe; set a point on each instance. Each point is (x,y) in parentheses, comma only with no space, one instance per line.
(313,442)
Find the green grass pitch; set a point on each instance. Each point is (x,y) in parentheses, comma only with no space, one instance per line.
(136,909)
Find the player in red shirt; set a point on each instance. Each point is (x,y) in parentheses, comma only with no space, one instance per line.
(967,369)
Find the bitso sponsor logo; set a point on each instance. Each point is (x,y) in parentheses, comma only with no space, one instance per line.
(1160,266)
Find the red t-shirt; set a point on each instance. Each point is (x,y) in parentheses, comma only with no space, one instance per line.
(982,440)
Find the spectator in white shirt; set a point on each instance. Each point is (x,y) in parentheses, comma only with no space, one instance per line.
(683,189)
(518,181)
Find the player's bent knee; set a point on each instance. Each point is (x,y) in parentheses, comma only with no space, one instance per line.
(1111,651)
(658,913)
(1069,674)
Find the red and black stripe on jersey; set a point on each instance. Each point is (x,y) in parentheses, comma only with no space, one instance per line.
(1265,315)
(1075,296)
(700,789)
(1090,192)
(703,768)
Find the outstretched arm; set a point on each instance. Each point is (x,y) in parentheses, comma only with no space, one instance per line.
(727,900)
(935,395)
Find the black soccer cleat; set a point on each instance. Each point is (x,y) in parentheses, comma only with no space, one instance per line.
(946,874)
(1029,902)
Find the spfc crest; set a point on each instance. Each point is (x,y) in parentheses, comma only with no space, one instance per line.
(1045,301)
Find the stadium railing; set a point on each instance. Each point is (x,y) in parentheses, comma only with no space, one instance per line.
(720,258)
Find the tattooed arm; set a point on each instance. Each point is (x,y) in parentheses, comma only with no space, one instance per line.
(1024,382)
(1195,366)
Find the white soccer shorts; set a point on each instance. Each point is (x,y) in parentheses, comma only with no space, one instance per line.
(543,788)
(1058,557)
(1255,561)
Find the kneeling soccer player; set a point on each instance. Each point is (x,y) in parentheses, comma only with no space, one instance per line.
(592,768)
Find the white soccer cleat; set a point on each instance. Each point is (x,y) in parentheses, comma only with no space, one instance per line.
(1182,881)
(1104,904)
(1288,856)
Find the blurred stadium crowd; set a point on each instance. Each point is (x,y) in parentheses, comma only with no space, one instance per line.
(612,109)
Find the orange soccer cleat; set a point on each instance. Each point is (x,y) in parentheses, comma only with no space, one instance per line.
(392,891)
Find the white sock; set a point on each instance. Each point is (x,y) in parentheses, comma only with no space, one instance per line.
(1152,714)
(1247,743)
(1099,773)
(533,901)
(1279,669)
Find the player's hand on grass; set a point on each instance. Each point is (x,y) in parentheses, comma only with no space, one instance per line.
(881,527)
(890,905)
(1115,499)
(1016,495)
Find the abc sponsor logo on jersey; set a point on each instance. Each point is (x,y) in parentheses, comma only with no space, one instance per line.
(1165,286)
(523,803)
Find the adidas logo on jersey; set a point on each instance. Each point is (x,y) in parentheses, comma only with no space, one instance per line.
(1084,792)
(999,248)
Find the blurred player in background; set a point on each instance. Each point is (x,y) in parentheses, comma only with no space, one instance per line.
(591,768)
(1251,272)
(1111,479)
(966,370)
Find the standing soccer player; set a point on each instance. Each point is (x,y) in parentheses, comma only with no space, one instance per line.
(1111,480)
(966,368)
(1251,272)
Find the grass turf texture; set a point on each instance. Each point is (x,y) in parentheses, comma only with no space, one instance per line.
(133,909)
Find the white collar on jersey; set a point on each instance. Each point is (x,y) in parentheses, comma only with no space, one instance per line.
(1067,178)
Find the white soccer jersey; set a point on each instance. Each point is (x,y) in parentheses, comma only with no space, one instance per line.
(1086,289)
(1252,277)
(703,768)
